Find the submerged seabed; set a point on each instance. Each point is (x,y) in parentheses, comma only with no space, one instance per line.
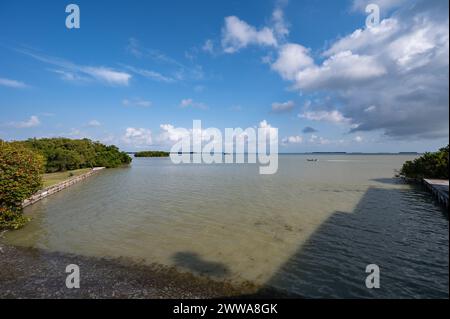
(309,230)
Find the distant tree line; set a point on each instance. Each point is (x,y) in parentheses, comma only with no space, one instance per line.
(62,154)
(152,154)
(429,165)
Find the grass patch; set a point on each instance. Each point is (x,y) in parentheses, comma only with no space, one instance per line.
(51,179)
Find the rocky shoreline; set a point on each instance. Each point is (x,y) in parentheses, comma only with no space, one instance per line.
(35,273)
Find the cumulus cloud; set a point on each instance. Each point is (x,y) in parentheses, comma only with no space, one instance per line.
(292,58)
(238,34)
(171,134)
(279,107)
(391,78)
(295,139)
(333,116)
(339,71)
(314,139)
(12,83)
(137,137)
(31,122)
(279,24)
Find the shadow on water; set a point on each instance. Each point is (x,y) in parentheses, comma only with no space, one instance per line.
(193,262)
(389,181)
(401,230)
(396,229)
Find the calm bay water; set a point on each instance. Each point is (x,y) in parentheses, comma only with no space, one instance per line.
(310,229)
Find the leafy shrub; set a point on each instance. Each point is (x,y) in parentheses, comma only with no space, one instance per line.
(12,219)
(20,177)
(429,165)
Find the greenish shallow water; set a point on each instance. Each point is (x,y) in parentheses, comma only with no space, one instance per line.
(310,229)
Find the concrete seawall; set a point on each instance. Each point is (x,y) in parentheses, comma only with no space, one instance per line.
(58,187)
(439,188)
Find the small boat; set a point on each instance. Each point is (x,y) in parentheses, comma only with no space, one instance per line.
(311,159)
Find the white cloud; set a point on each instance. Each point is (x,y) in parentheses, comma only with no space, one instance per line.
(358,139)
(74,72)
(171,134)
(31,122)
(70,76)
(137,137)
(292,58)
(107,75)
(279,24)
(136,102)
(340,70)
(401,65)
(333,116)
(94,123)
(264,124)
(191,103)
(12,83)
(134,48)
(279,107)
(268,131)
(363,39)
(237,34)
(314,139)
(208,46)
(150,74)
(371,108)
(296,139)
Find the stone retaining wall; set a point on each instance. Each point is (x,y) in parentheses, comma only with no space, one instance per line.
(58,187)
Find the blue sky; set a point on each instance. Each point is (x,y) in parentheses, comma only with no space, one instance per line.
(136,70)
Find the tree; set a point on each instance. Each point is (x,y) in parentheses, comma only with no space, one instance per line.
(429,165)
(152,154)
(20,177)
(63,154)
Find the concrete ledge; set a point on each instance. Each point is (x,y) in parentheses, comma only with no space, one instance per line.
(58,187)
(439,188)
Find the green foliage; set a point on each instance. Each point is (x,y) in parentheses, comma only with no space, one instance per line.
(152,154)
(64,154)
(429,165)
(20,177)
(12,219)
